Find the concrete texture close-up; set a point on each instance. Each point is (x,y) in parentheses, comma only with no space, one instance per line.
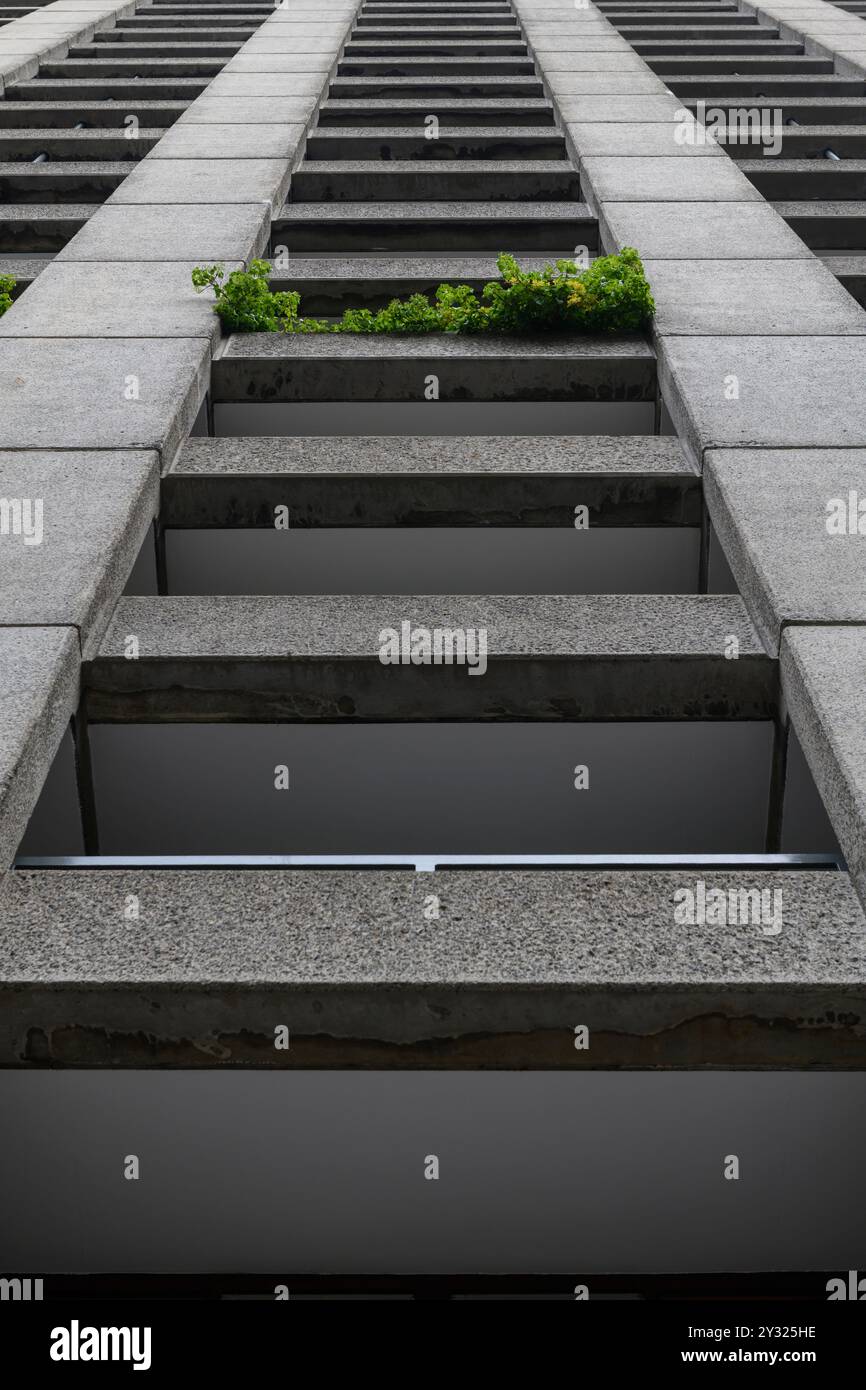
(328,360)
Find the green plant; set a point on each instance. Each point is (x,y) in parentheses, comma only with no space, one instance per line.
(7,285)
(611,296)
(244,300)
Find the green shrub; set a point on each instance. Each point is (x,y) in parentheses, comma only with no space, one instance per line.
(611,296)
(7,285)
(245,302)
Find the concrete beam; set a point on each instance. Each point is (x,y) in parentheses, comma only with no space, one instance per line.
(347,961)
(430,481)
(290,367)
(580,657)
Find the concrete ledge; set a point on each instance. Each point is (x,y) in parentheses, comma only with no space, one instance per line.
(38,694)
(192,232)
(751,296)
(290,367)
(351,965)
(329,284)
(682,231)
(443,227)
(788,395)
(771,510)
(437,180)
(636,139)
(549,657)
(823,674)
(430,481)
(170,181)
(248,110)
(265,84)
(114,299)
(657,179)
(94,510)
(149,391)
(230,140)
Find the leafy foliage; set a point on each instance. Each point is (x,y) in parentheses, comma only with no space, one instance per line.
(611,296)
(7,285)
(245,302)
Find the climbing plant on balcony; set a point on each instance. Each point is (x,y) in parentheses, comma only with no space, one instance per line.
(7,285)
(611,296)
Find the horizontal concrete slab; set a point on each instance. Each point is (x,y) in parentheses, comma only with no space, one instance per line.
(290,40)
(420,67)
(665,179)
(766,392)
(793,531)
(23,269)
(440,180)
(362,979)
(451,111)
(670,65)
(412,43)
(436,227)
(564,83)
(99,143)
(30,228)
(430,481)
(84,518)
(121,89)
(61,180)
(272,366)
(823,673)
(610,109)
(52,47)
(317,63)
(433,87)
(63,114)
(39,669)
(826,225)
(114,299)
(759,85)
(204,232)
(599,55)
(548,657)
(106,393)
(172,181)
(751,296)
(562,211)
(259,110)
(807,178)
(131,68)
(230,141)
(264,84)
(403,141)
(329,284)
(706,231)
(641,139)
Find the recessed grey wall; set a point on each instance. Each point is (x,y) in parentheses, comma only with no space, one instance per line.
(500,560)
(436,417)
(441,788)
(434,788)
(539,1172)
